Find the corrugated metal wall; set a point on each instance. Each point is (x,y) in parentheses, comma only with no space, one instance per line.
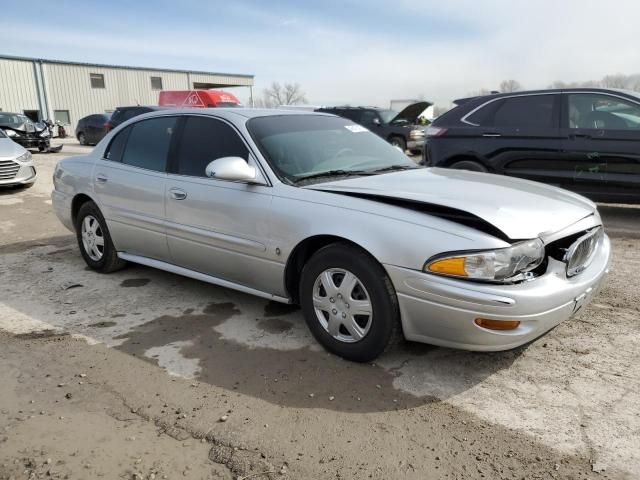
(68,87)
(18,90)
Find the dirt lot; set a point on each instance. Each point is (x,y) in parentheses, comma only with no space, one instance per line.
(144,374)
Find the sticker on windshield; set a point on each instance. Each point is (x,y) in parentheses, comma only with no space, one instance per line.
(356,128)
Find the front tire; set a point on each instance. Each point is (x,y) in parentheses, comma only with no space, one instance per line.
(349,302)
(82,139)
(470,165)
(94,240)
(398,142)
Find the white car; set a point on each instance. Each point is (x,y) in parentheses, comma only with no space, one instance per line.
(16,164)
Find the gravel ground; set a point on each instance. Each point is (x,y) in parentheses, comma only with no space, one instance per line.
(145,374)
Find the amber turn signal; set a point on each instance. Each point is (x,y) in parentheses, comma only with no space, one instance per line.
(449,266)
(497,324)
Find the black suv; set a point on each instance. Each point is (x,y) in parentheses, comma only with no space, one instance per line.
(122,114)
(399,129)
(92,128)
(583,139)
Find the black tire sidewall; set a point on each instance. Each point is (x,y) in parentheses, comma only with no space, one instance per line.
(90,208)
(82,139)
(378,286)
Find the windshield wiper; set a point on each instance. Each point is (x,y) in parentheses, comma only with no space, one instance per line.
(392,168)
(334,173)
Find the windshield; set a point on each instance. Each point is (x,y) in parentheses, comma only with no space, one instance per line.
(299,146)
(387,115)
(13,119)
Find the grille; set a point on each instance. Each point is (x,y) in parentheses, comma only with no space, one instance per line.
(580,253)
(8,169)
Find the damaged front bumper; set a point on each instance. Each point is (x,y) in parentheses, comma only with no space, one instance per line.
(442,311)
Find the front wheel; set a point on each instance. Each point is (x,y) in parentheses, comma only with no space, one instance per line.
(349,302)
(94,240)
(82,139)
(470,165)
(398,142)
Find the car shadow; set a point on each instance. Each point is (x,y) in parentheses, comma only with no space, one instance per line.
(225,338)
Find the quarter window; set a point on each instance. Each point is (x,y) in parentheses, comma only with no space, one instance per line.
(97,80)
(204,140)
(148,143)
(603,112)
(116,147)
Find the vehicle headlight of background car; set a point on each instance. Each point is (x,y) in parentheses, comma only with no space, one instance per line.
(26,157)
(11,133)
(509,264)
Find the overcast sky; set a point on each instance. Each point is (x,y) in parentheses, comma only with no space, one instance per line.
(342,51)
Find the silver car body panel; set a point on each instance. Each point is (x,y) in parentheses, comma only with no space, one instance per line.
(13,172)
(242,235)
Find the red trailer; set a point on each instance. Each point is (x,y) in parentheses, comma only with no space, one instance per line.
(198,99)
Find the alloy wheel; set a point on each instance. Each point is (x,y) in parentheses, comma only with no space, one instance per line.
(92,238)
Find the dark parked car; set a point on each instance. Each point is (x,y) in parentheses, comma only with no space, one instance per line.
(122,114)
(584,139)
(399,129)
(92,128)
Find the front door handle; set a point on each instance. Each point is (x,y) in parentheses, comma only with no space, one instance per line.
(177,194)
(101,177)
(579,135)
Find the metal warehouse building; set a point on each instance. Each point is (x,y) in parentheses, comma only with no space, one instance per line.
(68,91)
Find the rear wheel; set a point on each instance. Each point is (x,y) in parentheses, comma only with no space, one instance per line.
(398,142)
(470,165)
(94,240)
(349,302)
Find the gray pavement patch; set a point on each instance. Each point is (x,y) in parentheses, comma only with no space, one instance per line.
(134,282)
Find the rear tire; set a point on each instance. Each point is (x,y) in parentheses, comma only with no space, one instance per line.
(470,165)
(357,320)
(398,142)
(94,240)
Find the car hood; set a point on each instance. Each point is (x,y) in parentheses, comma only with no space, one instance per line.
(520,209)
(10,149)
(411,112)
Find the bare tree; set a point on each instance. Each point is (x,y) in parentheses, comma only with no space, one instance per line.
(629,82)
(287,94)
(479,93)
(507,86)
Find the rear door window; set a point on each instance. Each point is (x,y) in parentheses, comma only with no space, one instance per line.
(526,111)
(148,143)
(204,140)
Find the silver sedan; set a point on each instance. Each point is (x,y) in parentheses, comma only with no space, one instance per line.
(16,164)
(315,210)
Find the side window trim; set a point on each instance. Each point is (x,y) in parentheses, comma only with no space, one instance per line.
(464,119)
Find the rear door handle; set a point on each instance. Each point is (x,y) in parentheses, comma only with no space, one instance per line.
(491,135)
(177,194)
(101,177)
(579,135)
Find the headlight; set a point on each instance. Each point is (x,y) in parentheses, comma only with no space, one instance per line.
(44,133)
(502,265)
(419,133)
(11,133)
(24,158)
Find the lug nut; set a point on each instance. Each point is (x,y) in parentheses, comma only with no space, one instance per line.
(344,315)
(346,305)
(332,300)
(334,311)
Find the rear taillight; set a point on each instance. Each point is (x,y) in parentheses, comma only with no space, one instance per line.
(107,126)
(432,131)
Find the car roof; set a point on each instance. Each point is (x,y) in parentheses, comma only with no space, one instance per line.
(479,98)
(150,107)
(349,107)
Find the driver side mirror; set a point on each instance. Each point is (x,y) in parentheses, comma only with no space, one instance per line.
(376,121)
(231,168)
